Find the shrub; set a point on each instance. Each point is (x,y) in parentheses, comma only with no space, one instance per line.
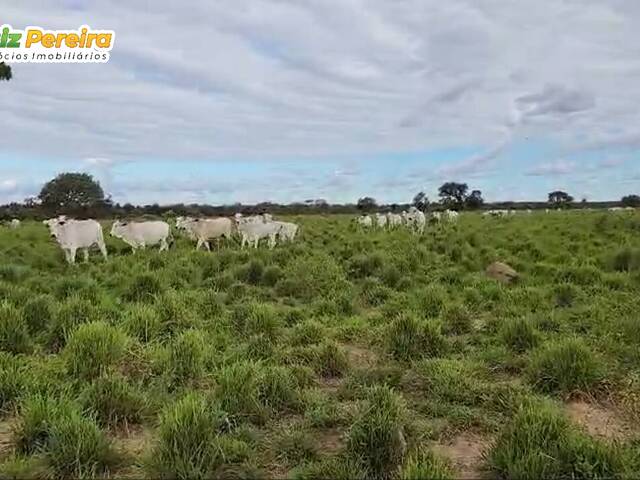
(187,356)
(317,276)
(142,322)
(366,265)
(254,318)
(565,366)
(173,312)
(278,389)
(73,312)
(252,272)
(457,320)
(565,295)
(377,434)
(113,401)
(431,301)
(307,333)
(541,443)
(424,464)
(143,287)
(238,391)
(373,293)
(519,334)
(295,447)
(14,334)
(187,445)
(409,338)
(271,275)
(38,313)
(93,349)
(330,360)
(13,380)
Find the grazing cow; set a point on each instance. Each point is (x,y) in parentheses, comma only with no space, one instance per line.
(450,216)
(205,229)
(253,232)
(288,231)
(381,220)
(143,234)
(415,220)
(72,235)
(365,221)
(394,220)
(14,223)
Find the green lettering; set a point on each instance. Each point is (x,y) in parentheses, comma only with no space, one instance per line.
(3,37)
(14,40)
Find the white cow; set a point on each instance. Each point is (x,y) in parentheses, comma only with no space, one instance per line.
(416,220)
(252,232)
(72,235)
(381,220)
(14,223)
(142,234)
(288,230)
(365,221)
(450,216)
(394,220)
(205,229)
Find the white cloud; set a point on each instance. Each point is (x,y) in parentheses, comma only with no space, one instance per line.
(557,167)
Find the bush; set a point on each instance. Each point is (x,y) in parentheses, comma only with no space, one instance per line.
(93,349)
(423,464)
(73,312)
(431,301)
(565,366)
(409,338)
(13,380)
(187,444)
(295,447)
(142,322)
(143,287)
(317,276)
(309,332)
(238,391)
(187,356)
(278,389)
(271,275)
(113,401)
(366,265)
(38,313)
(330,360)
(457,320)
(377,435)
(519,334)
(14,334)
(541,443)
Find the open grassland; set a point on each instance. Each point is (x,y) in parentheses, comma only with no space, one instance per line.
(347,354)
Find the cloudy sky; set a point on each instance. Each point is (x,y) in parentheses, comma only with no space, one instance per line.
(284,100)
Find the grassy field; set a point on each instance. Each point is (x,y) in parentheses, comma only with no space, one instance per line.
(348,354)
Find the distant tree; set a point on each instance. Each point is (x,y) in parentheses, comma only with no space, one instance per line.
(453,193)
(420,201)
(5,71)
(72,191)
(474,200)
(560,198)
(366,203)
(631,201)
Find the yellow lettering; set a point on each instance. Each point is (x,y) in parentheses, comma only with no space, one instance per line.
(90,39)
(59,38)
(103,40)
(72,40)
(48,40)
(33,36)
(83,37)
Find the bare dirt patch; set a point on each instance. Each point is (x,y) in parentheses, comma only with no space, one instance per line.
(6,434)
(466,454)
(360,357)
(133,444)
(599,420)
(330,441)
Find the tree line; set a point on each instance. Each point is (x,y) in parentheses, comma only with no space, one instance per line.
(80,195)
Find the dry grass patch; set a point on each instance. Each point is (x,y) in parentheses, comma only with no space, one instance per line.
(465,453)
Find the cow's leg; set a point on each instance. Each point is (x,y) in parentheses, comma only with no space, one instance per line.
(86,255)
(207,245)
(103,250)
(72,254)
(67,255)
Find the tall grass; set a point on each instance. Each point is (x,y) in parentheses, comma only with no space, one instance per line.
(93,349)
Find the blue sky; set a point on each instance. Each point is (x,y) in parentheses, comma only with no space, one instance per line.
(264,100)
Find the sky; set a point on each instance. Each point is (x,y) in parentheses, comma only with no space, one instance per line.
(287,100)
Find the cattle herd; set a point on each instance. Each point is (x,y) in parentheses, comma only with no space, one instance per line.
(73,235)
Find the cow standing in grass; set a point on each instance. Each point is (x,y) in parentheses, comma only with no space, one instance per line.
(204,229)
(72,235)
(143,234)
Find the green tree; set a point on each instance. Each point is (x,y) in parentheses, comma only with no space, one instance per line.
(453,193)
(366,203)
(474,200)
(5,71)
(71,191)
(420,201)
(559,198)
(631,201)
